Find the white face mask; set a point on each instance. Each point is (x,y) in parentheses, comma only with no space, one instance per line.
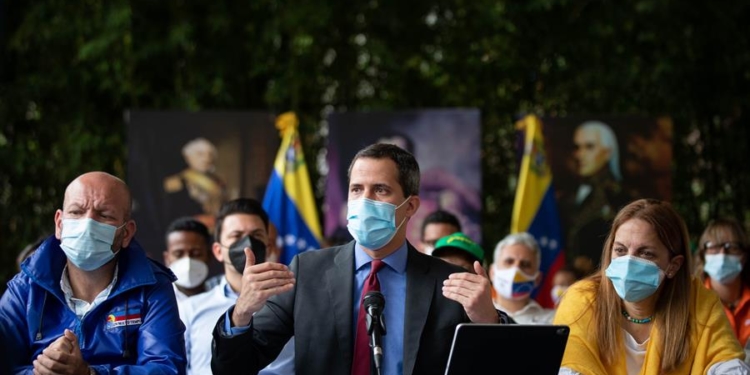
(557,292)
(512,283)
(190,272)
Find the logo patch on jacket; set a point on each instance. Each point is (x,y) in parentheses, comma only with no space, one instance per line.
(123,318)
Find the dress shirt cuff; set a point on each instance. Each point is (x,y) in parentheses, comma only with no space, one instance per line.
(567,371)
(233,331)
(730,367)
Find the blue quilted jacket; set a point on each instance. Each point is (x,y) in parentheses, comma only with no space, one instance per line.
(137,330)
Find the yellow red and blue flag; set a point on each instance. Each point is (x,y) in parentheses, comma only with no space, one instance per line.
(289,198)
(535,207)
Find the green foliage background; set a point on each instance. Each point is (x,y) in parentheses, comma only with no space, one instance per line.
(68,70)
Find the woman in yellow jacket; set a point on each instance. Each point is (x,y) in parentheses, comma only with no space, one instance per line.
(643,312)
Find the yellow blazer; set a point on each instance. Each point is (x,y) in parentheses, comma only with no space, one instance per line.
(713,339)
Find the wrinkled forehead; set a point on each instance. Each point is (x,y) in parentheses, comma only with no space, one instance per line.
(98,194)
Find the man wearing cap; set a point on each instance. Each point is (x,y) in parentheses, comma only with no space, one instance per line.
(460,250)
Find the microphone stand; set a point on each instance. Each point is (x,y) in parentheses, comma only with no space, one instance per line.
(376,329)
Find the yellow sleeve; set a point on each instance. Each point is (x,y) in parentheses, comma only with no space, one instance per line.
(574,311)
(715,340)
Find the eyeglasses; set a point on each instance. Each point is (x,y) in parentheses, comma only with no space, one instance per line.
(733,248)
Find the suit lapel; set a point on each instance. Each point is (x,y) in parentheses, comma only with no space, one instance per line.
(420,287)
(339,281)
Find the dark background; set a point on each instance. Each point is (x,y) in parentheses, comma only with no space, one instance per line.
(69,70)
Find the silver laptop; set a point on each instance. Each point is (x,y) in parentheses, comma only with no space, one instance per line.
(506,349)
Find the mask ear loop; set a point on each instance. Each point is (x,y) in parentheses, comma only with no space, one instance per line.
(115,236)
(404,202)
(397,207)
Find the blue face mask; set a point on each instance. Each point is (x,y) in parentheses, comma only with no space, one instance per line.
(723,267)
(634,278)
(88,243)
(372,223)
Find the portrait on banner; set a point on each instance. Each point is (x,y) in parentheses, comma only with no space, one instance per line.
(599,164)
(190,163)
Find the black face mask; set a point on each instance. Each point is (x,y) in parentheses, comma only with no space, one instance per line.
(237,252)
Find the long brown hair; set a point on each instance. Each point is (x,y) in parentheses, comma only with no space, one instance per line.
(672,313)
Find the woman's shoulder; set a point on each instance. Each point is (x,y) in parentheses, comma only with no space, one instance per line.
(583,289)
(577,302)
(706,301)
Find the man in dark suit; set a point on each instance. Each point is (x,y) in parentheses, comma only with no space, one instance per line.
(318,300)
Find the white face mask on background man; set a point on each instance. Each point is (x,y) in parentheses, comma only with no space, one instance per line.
(512,283)
(190,272)
(557,292)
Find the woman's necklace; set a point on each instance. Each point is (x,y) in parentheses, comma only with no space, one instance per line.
(635,320)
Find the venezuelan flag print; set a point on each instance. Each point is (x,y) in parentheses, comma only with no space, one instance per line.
(535,208)
(521,287)
(289,198)
(122,318)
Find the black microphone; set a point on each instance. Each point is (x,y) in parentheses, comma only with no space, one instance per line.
(374,302)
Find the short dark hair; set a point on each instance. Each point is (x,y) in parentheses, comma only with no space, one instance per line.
(440,217)
(408,168)
(247,206)
(189,224)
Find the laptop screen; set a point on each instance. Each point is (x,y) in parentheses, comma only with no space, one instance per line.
(506,347)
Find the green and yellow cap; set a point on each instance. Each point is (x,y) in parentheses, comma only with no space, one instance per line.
(461,242)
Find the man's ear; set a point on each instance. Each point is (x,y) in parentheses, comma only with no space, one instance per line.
(216,250)
(130,229)
(58,224)
(412,206)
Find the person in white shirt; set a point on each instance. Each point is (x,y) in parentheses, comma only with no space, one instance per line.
(188,242)
(515,274)
(241,223)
